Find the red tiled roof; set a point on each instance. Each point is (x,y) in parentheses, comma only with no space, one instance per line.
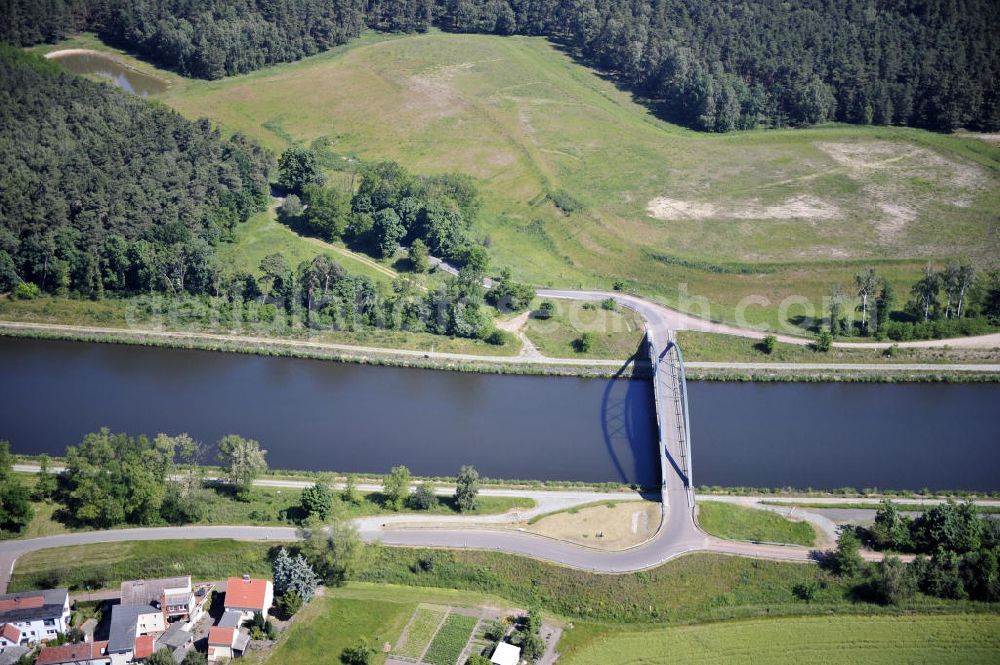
(143,646)
(244,594)
(21,603)
(11,633)
(71,653)
(222,637)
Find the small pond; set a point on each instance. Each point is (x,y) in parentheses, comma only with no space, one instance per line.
(97,64)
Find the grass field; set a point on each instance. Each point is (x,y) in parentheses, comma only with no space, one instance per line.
(419,631)
(770,213)
(838,640)
(328,625)
(727,520)
(106,565)
(450,640)
(713,347)
(616,334)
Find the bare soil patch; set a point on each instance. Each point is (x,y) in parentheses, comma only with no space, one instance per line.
(607,527)
(798,207)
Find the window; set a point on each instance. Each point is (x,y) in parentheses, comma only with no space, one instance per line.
(50,622)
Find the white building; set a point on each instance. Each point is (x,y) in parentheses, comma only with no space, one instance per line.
(506,654)
(38,616)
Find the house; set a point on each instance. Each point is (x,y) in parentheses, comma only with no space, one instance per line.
(248,596)
(178,640)
(132,631)
(506,654)
(150,609)
(39,616)
(172,596)
(226,643)
(83,653)
(10,635)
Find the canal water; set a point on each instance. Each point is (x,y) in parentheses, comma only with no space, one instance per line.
(322,415)
(106,67)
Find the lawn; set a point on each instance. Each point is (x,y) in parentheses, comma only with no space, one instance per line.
(727,520)
(963,639)
(450,640)
(713,347)
(328,625)
(419,631)
(617,334)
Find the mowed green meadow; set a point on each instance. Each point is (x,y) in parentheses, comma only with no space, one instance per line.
(967,639)
(671,211)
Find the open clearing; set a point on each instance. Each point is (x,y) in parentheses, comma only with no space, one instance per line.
(831,640)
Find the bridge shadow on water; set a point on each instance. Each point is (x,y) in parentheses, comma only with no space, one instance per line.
(628,423)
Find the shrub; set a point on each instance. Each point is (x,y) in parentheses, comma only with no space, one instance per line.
(609,304)
(565,201)
(359,654)
(824,342)
(619,285)
(27,291)
(768,344)
(288,604)
(498,337)
(545,311)
(424,497)
(584,342)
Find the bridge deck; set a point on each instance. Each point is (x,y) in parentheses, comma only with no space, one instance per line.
(671,415)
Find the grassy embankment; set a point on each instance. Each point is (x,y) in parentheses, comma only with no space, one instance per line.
(694,588)
(727,520)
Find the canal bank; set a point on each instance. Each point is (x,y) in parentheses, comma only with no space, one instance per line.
(353,418)
(580,367)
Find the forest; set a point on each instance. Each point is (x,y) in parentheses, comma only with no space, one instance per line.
(106,192)
(713,65)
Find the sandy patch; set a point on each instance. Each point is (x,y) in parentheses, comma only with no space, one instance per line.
(885,168)
(624,525)
(433,93)
(798,207)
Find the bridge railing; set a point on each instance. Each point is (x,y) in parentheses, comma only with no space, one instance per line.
(672,363)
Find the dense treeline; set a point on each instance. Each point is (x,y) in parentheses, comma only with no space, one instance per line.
(957,554)
(715,65)
(215,38)
(720,65)
(106,192)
